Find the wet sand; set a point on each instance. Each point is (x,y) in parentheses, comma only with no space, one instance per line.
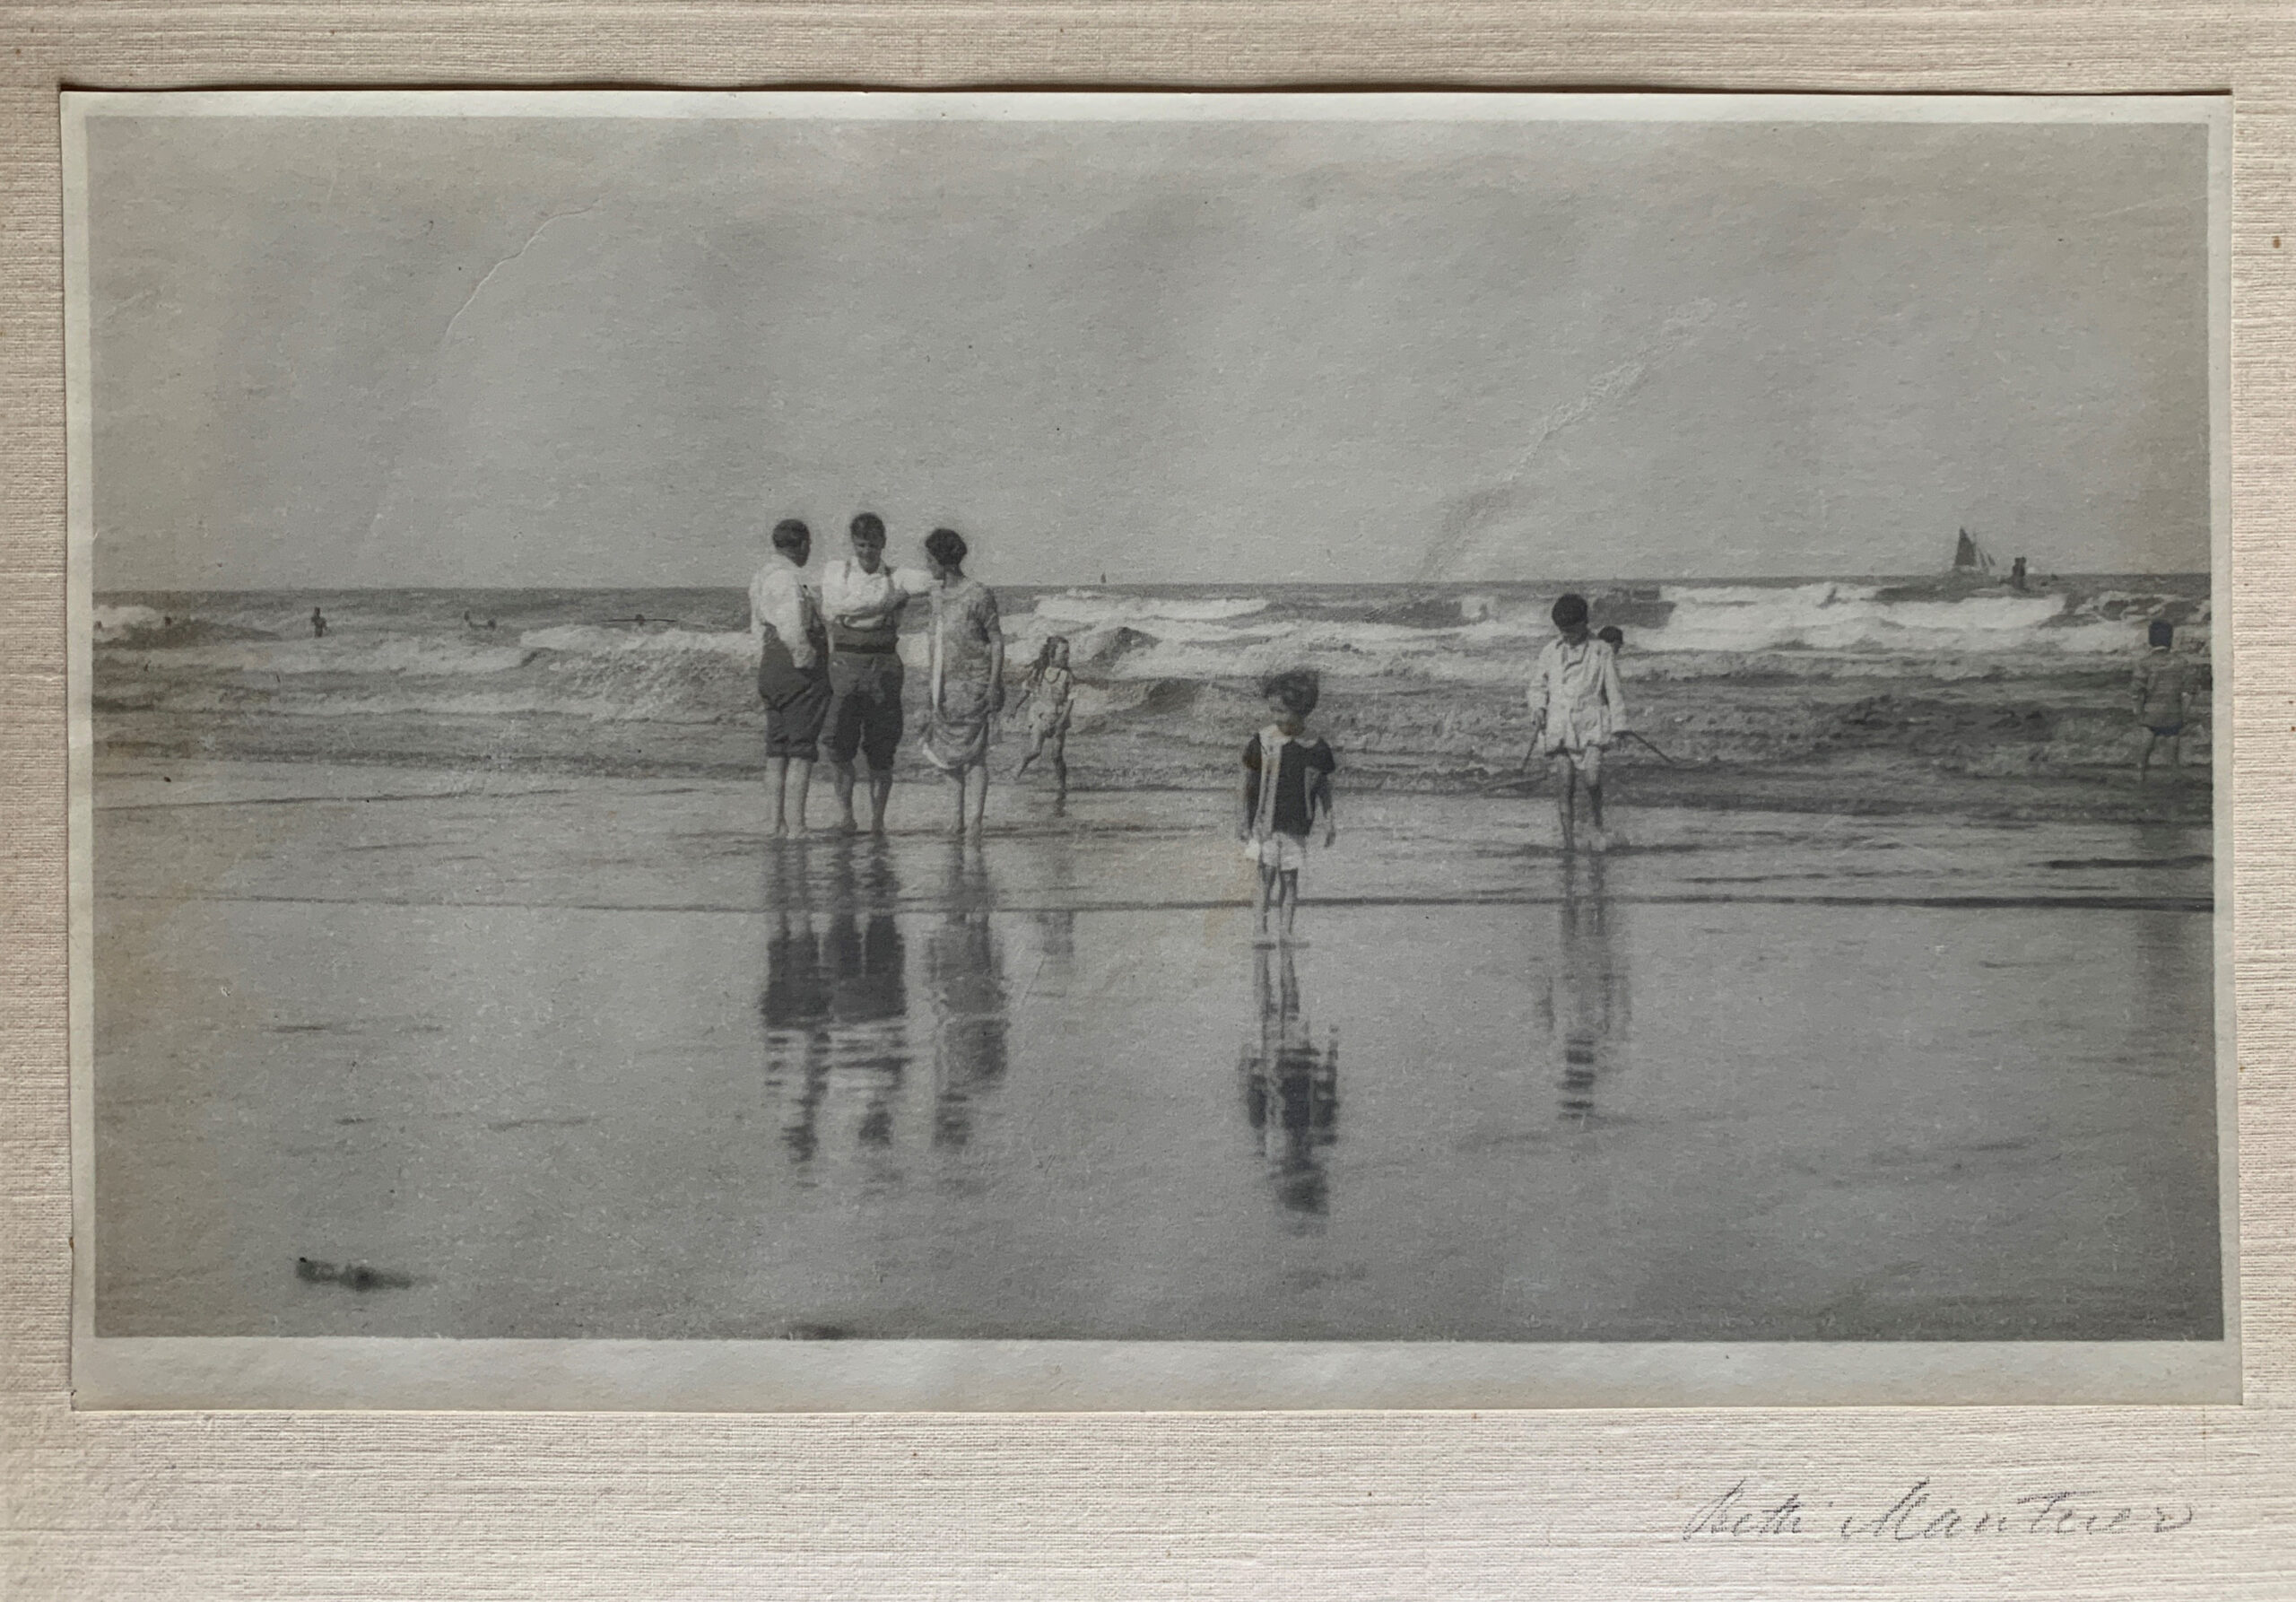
(388,1051)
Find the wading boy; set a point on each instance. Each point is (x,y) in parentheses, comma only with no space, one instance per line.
(2163,691)
(1287,788)
(1577,709)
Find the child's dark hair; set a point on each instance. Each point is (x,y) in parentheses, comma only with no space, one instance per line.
(1046,652)
(1570,612)
(1610,635)
(2161,632)
(1299,690)
(947,547)
(867,525)
(789,535)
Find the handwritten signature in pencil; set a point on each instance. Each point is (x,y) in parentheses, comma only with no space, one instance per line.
(1924,1514)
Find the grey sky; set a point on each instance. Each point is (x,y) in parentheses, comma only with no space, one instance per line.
(340,351)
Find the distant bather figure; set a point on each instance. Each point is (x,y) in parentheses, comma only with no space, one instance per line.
(2162,690)
(318,623)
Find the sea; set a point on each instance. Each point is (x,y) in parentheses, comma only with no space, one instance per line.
(1423,681)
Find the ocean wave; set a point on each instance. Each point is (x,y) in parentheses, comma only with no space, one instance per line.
(1088,609)
(385,654)
(125,620)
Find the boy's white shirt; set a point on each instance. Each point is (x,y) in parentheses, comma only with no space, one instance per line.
(846,588)
(778,601)
(1575,693)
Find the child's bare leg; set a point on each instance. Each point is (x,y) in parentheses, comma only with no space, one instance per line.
(976,780)
(1035,751)
(1592,775)
(1060,761)
(957,789)
(2177,758)
(801,779)
(1266,893)
(881,790)
(776,781)
(842,774)
(1291,878)
(1565,783)
(2145,757)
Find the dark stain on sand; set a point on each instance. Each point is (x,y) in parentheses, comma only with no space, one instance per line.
(355,1277)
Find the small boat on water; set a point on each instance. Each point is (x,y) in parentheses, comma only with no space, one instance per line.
(1974,571)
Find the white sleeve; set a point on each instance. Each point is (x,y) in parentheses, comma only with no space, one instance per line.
(912,581)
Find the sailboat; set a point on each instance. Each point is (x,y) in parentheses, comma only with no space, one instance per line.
(1973,569)
(1970,558)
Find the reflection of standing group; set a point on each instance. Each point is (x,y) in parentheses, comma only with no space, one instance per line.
(829,667)
(836,993)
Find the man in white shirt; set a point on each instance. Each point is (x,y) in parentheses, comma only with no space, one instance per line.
(863,600)
(1577,710)
(784,622)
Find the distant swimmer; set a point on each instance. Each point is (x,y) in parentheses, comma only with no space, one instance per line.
(2163,691)
(1577,709)
(2017,572)
(318,623)
(1047,690)
(1287,789)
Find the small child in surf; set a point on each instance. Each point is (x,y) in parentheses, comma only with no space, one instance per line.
(1284,797)
(2162,690)
(1047,690)
(1577,709)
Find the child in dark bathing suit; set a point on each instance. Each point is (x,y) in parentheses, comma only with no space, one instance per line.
(1284,794)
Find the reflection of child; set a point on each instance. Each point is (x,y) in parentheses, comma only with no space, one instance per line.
(1291,1087)
(1287,785)
(1047,689)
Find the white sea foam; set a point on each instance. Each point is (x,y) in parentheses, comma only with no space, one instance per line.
(383,654)
(1085,608)
(124,620)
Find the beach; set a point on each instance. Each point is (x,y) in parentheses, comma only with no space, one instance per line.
(491,1050)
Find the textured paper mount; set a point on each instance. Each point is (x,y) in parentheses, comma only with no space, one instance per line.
(1062,1376)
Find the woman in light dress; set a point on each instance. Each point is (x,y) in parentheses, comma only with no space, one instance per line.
(968,677)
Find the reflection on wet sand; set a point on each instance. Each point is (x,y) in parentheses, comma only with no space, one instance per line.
(837,992)
(1290,1086)
(1584,1008)
(964,978)
(836,1001)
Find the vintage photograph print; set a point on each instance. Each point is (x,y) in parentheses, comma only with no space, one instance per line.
(1073,751)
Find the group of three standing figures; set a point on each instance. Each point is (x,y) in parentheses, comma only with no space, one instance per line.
(831,673)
